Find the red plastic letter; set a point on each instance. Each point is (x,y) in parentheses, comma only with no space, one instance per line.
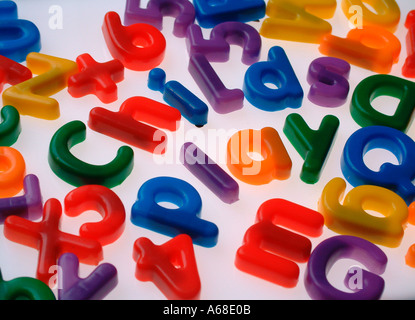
(269,251)
(171,266)
(96,78)
(107,203)
(139,46)
(49,240)
(126,125)
(408,69)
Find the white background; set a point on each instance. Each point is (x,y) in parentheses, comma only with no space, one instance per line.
(81,33)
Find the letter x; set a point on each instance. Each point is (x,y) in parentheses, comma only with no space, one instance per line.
(51,242)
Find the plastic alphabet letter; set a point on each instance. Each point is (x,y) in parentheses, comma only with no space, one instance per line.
(24,288)
(128,125)
(217,49)
(12,72)
(410,255)
(383,85)
(46,237)
(276,162)
(19,37)
(96,78)
(139,46)
(269,251)
(10,126)
(313,145)
(349,247)
(352,218)
(397,178)
(387,13)
(28,206)
(211,13)
(210,173)
(148,213)
(278,71)
(13,172)
(31,97)
(77,172)
(372,48)
(100,199)
(328,78)
(408,69)
(179,97)
(94,287)
(298,20)
(182,10)
(171,266)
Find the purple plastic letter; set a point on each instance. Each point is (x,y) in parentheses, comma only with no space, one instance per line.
(182,10)
(217,49)
(328,77)
(28,206)
(210,173)
(328,252)
(94,287)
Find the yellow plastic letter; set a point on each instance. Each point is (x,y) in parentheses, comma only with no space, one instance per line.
(31,97)
(351,217)
(298,20)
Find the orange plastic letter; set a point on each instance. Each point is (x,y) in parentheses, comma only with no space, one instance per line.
(13,168)
(372,48)
(276,163)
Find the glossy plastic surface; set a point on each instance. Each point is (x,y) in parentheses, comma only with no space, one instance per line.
(380,85)
(272,252)
(370,47)
(12,72)
(408,69)
(387,13)
(46,237)
(328,79)
(32,97)
(217,49)
(313,145)
(107,203)
(13,172)
(171,266)
(29,205)
(212,13)
(397,178)
(96,78)
(298,20)
(153,14)
(275,163)
(348,247)
(210,173)
(133,123)
(95,286)
(10,127)
(352,218)
(147,213)
(19,37)
(139,46)
(77,172)
(278,71)
(178,96)
(24,288)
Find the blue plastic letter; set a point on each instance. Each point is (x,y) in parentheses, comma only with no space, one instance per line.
(397,178)
(147,213)
(278,71)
